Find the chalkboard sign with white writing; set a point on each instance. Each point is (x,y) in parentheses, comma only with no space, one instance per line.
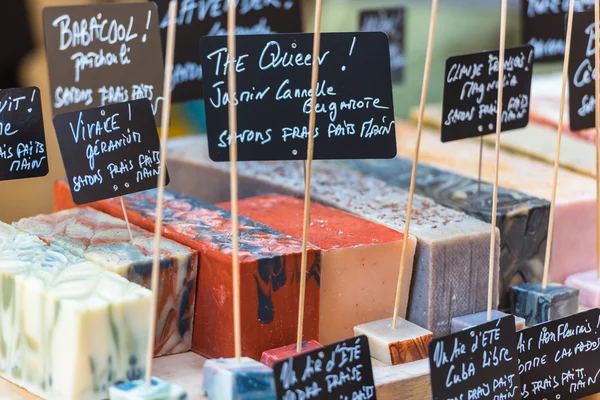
(338,371)
(478,363)
(560,359)
(582,81)
(103,54)
(391,22)
(544,26)
(109,151)
(471,93)
(197,19)
(22,139)
(355,111)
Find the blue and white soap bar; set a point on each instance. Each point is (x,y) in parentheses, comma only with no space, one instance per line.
(68,328)
(226,379)
(139,390)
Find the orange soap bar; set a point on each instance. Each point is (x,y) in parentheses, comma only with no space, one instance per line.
(360,261)
(269,272)
(272,357)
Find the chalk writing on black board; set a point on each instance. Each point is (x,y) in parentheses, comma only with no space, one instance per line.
(197,19)
(582,81)
(22,139)
(355,114)
(471,93)
(109,151)
(559,359)
(103,54)
(479,363)
(544,26)
(338,371)
(391,22)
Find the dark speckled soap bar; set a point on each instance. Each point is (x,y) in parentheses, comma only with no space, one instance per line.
(522,219)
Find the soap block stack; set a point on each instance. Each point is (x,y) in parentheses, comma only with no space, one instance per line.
(359,261)
(104,240)
(521,219)
(70,329)
(269,268)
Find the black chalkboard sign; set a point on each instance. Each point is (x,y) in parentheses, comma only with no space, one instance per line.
(209,18)
(109,151)
(22,139)
(103,54)
(391,22)
(582,78)
(355,111)
(478,363)
(543,26)
(338,371)
(471,93)
(560,359)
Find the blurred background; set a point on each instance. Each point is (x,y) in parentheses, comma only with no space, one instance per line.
(464,26)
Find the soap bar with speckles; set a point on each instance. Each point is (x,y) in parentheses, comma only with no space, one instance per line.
(359,261)
(104,240)
(69,329)
(269,265)
(574,242)
(522,219)
(450,244)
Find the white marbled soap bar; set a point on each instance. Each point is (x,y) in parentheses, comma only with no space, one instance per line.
(69,329)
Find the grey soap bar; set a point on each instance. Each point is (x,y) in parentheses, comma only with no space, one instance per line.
(450,275)
(522,219)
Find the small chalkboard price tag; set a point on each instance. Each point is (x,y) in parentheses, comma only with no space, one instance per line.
(560,359)
(22,139)
(391,22)
(103,54)
(471,93)
(355,110)
(197,19)
(582,83)
(340,371)
(109,151)
(544,26)
(478,363)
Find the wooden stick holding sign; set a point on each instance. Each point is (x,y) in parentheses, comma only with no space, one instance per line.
(490,305)
(597,96)
(126,219)
(161,181)
(231,87)
(413,178)
(309,158)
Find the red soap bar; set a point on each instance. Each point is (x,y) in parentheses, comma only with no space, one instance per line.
(271,357)
(269,272)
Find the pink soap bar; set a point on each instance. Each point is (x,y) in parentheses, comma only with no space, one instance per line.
(271,357)
(588,284)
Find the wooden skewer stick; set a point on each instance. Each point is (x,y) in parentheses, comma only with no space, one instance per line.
(235,272)
(480,164)
(561,116)
(166,116)
(597,62)
(126,219)
(309,158)
(497,163)
(413,178)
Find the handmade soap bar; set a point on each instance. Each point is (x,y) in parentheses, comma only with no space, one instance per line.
(104,240)
(359,261)
(70,329)
(270,264)
(522,219)
(470,321)
(139,390)
(226,379)
(537,305)
(407,343)
(450,243)
(588,284)
(271,357)
(574,244)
